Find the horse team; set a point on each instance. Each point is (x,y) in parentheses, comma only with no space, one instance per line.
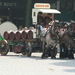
(58,33)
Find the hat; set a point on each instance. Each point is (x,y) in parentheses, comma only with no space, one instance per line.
(49,14)
(40,12)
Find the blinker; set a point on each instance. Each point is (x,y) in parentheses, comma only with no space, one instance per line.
(51,35)
(62,29)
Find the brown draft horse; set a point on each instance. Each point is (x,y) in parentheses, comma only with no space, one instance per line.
(67,39)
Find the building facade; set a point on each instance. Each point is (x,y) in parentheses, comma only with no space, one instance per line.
(67,8)
(12,10)
(15,10)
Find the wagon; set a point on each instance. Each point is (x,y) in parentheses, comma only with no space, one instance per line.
(26,41)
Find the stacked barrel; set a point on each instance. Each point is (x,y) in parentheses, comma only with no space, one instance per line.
(18,34)
(16,48)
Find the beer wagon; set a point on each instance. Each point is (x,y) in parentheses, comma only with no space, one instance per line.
(24,41)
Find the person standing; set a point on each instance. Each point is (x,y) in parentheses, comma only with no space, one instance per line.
(39,18)
(47,19)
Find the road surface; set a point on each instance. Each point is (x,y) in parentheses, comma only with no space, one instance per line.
(17,64)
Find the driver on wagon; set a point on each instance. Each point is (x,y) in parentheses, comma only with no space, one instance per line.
(47,19)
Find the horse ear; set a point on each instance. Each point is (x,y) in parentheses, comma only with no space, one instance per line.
(59,20)
(62,29)
(51,35)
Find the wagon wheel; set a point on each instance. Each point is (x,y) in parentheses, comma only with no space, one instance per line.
(28,53)
(28,49)
(23,53)
(3,47)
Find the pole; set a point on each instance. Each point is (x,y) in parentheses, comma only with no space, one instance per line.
(28,12)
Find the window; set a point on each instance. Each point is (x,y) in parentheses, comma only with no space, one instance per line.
(66,5)
(34,13)
(62,5)
(70,5)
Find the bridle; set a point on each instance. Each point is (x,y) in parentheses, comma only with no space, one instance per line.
(53,30)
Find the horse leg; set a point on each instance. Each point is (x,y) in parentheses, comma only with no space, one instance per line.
(49,52)
(43,49)
(53,53)
(65,50)
(61,50)
(71,55)
(44,55)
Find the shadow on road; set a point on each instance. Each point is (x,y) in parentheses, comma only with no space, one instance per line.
(69,70)
(36,56)
(68,65)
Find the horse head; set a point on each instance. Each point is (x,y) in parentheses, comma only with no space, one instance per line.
(53,29)
(71,29)
(61,32)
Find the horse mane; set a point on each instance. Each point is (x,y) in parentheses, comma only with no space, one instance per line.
(71,29)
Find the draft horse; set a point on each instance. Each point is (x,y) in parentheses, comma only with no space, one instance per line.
(49,40)
(66,40)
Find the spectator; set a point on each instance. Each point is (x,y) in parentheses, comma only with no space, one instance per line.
(39,18)
(47,19)
(20,27)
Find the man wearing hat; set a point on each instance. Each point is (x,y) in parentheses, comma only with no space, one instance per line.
(47,19)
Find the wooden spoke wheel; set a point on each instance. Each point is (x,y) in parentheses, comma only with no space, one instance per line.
(23,53)
(3,47)
(28,53)
(28,49)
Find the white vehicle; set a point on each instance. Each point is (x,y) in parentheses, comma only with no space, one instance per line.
(26,42)
(44,8)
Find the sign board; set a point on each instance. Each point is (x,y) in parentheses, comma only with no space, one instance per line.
(42,5)
(8,4)
(11,4)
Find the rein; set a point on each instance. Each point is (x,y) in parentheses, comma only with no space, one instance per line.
(53,35)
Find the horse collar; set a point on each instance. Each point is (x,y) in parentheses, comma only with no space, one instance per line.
(51,35)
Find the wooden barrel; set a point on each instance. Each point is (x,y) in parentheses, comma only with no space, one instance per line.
(30,34)
(6,35)
(14,49)
(17,35)
(19,48)
(11,35)
(23,34)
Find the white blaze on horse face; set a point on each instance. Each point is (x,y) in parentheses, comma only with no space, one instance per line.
(49,41)
(43,32)
(61,32)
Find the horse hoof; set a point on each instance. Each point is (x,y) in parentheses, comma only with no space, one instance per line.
(71,56)
(49,55)
(61,57)
(53,57)
(43,57)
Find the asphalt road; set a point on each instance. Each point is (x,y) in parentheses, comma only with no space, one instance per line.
(17,64)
